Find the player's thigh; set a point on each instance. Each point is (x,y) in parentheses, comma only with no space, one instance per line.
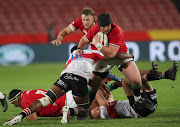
(131,71)
(95,82)
(103,66)
(58,91)
(81,100)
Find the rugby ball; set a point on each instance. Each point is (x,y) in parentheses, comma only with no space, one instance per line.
(103,39)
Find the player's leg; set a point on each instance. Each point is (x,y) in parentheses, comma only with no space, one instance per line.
(100,72)
(171,72)
(81,111)
(131,71)
(95,84)
(147,103)
(153,74)
(81,97)
(83,106)
(4,101)
(80,94)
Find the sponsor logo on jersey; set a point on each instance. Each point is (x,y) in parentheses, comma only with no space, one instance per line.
(17,54)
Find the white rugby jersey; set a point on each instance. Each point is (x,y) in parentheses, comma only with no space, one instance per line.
(118,109)
(82,64)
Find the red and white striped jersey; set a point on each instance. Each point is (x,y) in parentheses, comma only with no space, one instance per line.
(82,64)
(118,109)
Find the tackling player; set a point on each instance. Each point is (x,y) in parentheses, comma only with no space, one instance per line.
(105,108)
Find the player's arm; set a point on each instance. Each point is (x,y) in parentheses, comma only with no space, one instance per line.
(32,116)
(82,45)
(101,98)
(62,34)
(109,52)
(121,56)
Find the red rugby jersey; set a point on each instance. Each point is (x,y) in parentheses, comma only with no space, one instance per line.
(51,110)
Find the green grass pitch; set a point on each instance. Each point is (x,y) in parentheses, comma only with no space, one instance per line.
(35,76)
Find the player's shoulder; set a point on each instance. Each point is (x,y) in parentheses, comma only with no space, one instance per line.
(116,28)
(79,20)
(95,26)
(94,29)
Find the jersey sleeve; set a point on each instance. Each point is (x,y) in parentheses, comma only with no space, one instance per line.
(29,96)
(116,38)
(92,32)
(75,24)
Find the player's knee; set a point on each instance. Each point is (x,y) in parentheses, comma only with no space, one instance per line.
(49,98)
(136,81)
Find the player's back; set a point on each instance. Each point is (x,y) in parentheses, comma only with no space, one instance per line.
(49,111)
(82,64)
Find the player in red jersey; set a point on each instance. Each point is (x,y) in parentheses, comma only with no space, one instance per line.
(23,99)
(104,107)
(115,44)
(84,23)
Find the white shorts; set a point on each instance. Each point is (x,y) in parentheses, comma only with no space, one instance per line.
(107,65)
(70,101)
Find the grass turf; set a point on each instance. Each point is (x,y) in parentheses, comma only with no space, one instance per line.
(35,76)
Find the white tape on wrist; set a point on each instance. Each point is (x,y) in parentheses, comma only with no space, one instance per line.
(99,46)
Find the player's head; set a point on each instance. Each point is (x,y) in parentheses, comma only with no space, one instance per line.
(88,17)
(14,97)
(95,113)
(74,48)
(105,23)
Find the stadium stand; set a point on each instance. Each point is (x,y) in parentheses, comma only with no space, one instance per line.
(32,17)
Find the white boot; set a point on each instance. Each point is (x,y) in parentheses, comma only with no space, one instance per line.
(64,119)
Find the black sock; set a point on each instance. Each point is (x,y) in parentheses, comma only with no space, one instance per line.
(72,113)
(136,90)
(91,97)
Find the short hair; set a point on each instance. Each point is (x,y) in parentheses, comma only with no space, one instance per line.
(88,11)
(104,19)
(14,94)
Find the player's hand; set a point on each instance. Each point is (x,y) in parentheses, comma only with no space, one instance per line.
(96,39)
(105,88)
(79,52)
(13,121)
(56,42)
